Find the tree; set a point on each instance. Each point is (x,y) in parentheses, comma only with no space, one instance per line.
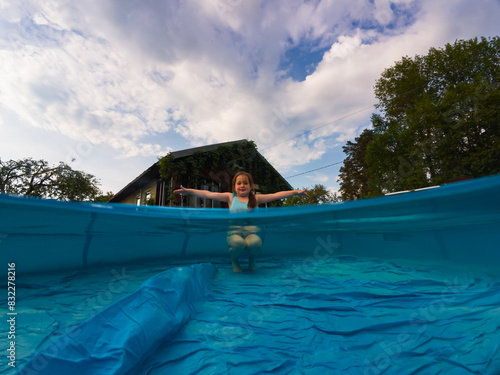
(37,179)
(104,197)
(318,194)
(439,117)
(354,175)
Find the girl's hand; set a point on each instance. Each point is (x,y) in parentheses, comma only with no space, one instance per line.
(301,193)
(182,191)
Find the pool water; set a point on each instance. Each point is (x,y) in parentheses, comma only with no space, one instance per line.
(335,315)
(404,284)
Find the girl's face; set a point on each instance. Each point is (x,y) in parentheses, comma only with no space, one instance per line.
(242,186)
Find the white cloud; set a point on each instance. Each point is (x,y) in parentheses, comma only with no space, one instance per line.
(295,152)
(320,178)
(84,90)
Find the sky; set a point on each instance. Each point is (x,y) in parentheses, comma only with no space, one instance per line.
(109,86)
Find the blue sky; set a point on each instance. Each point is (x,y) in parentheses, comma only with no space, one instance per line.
(111,85)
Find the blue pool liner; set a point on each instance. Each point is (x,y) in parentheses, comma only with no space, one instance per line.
(116,340)
(341,315)
(311,316)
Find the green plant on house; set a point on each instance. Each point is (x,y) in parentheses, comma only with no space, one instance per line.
(192,170)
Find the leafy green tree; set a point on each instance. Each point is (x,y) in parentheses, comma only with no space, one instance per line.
(318,194)
(104,197)
(439,117)
(354,175)
(37,178)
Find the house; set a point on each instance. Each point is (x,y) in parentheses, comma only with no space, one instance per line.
(210,167)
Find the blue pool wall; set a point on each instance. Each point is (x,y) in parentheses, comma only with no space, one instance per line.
(456,224)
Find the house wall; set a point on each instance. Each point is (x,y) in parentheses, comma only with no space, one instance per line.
(142,193)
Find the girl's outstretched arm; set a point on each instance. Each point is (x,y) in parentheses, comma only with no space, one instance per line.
(222,197)
(264,198)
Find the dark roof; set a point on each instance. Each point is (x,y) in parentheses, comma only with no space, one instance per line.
(191,151)
(148,175)
(152,172)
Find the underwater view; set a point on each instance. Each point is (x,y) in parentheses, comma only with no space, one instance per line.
(339,315)
(404,284)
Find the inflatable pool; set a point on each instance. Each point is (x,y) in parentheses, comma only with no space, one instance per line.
(401,284)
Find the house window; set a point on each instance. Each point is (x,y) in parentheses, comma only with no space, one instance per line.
(216,189)
(138,200)
(148,196)
(208,185)
(207,203)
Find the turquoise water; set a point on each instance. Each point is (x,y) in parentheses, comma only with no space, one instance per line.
(338,315)
(331,317)
(405,284)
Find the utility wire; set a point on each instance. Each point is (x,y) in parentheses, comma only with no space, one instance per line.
(319,127)
(341,118)
(313,170)
(312,130)
(330,123)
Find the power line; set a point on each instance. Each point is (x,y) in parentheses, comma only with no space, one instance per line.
(330,123)
(314,170)
(319,127)
(312,130)
(339,119)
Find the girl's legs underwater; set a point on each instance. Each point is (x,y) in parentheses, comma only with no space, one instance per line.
(237,246)
(254,246)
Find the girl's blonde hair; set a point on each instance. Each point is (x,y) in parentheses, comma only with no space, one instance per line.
(252,202)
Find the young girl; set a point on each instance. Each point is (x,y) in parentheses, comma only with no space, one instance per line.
(243,198)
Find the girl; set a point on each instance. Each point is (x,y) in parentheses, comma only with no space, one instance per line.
(243,198)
